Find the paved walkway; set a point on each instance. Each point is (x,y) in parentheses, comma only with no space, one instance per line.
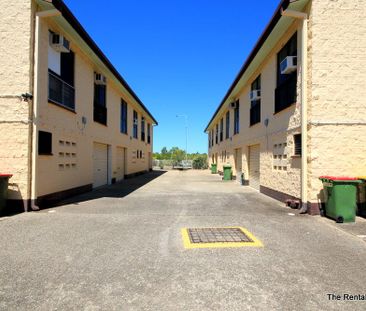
(120,248)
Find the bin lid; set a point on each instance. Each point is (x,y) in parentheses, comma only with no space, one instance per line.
(227,166)
(6,175)
(339,178)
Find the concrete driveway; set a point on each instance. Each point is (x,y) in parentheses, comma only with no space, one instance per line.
(120,248)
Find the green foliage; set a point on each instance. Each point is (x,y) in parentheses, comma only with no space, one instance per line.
(200,162)
(176,155)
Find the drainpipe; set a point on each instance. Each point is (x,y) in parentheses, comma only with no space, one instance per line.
(36,100)
(304,118)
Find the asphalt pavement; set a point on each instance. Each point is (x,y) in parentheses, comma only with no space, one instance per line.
(120,248)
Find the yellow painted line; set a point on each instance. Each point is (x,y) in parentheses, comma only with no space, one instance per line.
(188,245)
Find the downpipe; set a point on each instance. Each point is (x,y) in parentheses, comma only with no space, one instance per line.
(36,100)
(304,118)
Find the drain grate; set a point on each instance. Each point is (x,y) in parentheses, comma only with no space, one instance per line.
(218,237)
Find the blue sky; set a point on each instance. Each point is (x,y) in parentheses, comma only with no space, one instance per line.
(180,57)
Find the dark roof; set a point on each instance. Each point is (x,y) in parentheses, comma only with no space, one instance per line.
(276,17)
(71,19)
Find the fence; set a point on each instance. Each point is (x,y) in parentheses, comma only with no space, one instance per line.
(171,164)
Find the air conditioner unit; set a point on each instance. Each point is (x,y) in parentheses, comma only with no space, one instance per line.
(234,105)
(59,43)
(288,65)
(255,95)
(99,79)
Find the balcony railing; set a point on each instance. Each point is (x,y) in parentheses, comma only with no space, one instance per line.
(60,92)
(285,94)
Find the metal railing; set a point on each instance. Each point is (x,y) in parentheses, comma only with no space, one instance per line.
(60,92)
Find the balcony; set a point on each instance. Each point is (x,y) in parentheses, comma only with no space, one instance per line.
(60,92)
(285,94)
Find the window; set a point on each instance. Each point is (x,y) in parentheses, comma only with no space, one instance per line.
(100,104)
(61,84)
(138,154)
(236,118)
(44,143)
(142,128)
(227,124)
(217,134)
(148,133)
(135,124)
(255,105)
(212,137)
(123,117)
(285,93)
(209,140)
(297,145)
(221,129)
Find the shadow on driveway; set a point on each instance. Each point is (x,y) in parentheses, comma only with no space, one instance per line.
(118,190)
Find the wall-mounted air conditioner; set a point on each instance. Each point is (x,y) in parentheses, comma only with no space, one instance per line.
(288,65)
(59,43)
(234,105)
(99,79)
(255,95)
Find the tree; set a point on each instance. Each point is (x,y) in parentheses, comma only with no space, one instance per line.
(200,161)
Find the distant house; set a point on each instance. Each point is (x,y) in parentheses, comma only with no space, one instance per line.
(78,125)
(297,108)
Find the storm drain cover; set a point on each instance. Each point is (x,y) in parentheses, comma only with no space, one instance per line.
(218,237)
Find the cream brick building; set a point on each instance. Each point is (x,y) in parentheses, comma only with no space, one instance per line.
(308,122)
(69,122)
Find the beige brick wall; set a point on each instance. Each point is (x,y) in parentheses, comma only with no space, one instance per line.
(338,90)
(15,79)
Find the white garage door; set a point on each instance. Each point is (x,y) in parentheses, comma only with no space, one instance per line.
(254,164)
(100,162)
(120,170)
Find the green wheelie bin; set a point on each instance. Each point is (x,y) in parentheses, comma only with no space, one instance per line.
(213,168)
(340,197)
(227,172)
(361,202)
(4,181)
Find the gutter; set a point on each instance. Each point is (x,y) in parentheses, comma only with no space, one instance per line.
(304,117)
(71,19)
(266,33)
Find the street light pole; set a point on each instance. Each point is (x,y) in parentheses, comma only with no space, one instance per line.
(186,125)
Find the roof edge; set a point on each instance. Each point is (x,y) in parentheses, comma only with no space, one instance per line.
(265,34)
(72,20)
